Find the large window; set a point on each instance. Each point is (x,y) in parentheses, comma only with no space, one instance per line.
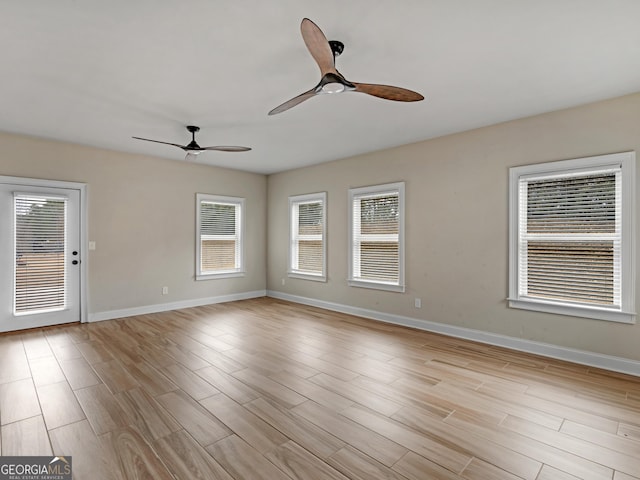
(219,236)
(571,237)
(307,229)
(376,234)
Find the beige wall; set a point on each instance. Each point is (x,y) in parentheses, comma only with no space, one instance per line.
(142,217)
(457,223)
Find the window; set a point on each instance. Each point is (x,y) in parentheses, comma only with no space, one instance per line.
(219,236)
(376,235)
(40,239)
(307,230)
(571,245)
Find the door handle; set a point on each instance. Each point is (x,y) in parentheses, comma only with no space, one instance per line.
(75,262)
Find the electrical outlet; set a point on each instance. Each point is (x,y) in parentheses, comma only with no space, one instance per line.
(92,245)
(283,282)
(418,302)
(165,290)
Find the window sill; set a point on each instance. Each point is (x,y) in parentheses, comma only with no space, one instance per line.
(213,276)
(307,276)
(376,285)
(573,310)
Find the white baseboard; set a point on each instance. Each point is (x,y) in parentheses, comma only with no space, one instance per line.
(165,307)
(583,357)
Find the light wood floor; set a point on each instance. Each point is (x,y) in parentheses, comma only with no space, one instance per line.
(267,390)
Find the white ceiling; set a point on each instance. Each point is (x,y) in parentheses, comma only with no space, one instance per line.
(96,72)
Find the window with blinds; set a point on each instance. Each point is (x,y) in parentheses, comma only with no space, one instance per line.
(570,239)
(219,236)
(307,248)
(377,237)
(40,276)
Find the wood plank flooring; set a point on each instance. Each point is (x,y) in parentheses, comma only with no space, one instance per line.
(266,389)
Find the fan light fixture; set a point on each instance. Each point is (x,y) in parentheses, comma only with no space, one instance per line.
(333,87)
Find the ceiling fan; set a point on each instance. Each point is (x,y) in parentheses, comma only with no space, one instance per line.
(193,149)
(324,52)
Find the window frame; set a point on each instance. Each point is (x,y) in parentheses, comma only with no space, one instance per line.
(239,204)
(298,200)
(395,188)
(625,313)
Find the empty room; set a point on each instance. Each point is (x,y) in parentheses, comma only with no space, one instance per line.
(319,240)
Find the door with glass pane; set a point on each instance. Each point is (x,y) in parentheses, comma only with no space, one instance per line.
(39,256)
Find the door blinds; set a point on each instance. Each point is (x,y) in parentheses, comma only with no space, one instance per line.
(40,224)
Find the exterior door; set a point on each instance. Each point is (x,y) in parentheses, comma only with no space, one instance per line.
(39,256)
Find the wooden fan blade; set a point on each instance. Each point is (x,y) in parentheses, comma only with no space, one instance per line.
(318,46)
(158,141)
(388,92)
(227,148)
(293,102)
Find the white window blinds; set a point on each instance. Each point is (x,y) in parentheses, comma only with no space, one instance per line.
(219,235)
(571,238)
(40,277)
(571,234)
(377,237)
(307,249)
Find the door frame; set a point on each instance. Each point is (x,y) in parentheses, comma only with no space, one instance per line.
(84,257)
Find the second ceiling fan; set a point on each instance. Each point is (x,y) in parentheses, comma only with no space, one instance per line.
(324,53)
(193,149)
